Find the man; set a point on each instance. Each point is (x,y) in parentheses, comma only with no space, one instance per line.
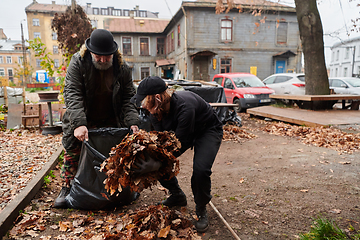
(195,124)
(97,93)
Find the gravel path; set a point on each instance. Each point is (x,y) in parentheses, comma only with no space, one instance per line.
(22,155)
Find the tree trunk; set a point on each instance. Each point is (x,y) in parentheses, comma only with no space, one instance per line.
(311,35)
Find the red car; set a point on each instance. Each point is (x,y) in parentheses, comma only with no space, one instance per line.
(244,89)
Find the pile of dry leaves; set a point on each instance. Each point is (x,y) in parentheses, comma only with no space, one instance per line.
(153,222)
(120,166)
(328,137)
(22,154)
(235,133)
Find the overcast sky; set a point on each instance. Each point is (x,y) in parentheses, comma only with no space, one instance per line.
(336,15)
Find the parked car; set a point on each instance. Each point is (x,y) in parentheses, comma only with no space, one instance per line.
(345,85)
(244,89)
(286,83)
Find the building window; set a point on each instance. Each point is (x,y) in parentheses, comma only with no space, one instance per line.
(126,45)
(36,22)
(281,33)
(337,55)
(20,60)
(145,72)
(54,36)
(37,35)
(172,39)
(178,34)
(225,65)
(10,74)
(358,70)
(126,13)
(144,46)
(2,72)
(336,72)
(95,11)
(160,46)
(347,52)
(117,12)
(226,30)
(38,62)
(142,13)
(8,59)
(345,72)
(55,49)
(104,11)
(56,63)
(1,59)
(333,56)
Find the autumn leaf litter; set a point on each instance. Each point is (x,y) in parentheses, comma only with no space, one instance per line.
(147,222)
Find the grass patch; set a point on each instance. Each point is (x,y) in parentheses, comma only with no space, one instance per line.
(324,229)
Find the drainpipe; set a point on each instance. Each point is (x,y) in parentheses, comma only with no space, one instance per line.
(182,8)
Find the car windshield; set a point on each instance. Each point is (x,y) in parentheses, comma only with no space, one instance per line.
(355,82)
(248,81)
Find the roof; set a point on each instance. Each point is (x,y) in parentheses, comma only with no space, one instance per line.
(39,7)
(135,25)
(8,45)
(164,62)
(249,2)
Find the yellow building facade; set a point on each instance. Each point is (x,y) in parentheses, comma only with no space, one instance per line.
(39,18)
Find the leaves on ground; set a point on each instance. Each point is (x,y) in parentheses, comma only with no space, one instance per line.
(23,153)
(328,137)
(146,223)
(236,134)
(120,166)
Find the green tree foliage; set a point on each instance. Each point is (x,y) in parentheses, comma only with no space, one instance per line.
(72,27)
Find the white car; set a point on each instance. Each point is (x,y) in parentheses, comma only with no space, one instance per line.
(345,85)
(286,83)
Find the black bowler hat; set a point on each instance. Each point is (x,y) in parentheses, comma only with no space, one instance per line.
(148,86)
(101,42)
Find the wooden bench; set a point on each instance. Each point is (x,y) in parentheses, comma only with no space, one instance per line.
(354,105)
(230,105)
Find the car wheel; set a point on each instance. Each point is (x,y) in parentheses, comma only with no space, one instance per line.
(238,108)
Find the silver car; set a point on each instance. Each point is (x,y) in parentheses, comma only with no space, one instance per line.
(286,83)
(345,85)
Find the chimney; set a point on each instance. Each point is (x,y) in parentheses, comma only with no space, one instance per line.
(2,34)
(53,2)
(131,13)
(34,1)
(137,7)
(88,5)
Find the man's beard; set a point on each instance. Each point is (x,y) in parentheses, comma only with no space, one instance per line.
(102,65)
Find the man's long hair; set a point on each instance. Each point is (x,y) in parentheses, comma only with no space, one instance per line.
(150,102)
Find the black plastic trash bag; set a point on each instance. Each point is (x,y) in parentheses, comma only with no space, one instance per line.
(87,190)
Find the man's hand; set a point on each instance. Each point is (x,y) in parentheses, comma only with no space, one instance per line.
(81,133)
(146,165)
(134,128)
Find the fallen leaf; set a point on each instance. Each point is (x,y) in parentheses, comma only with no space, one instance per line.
(241,180)
(164,232)
(304,190)
(337,211)
(331,170)
(343,163)
(63,226)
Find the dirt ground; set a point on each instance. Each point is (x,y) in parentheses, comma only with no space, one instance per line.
(269,187)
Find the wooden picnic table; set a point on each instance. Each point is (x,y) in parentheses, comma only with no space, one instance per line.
(354,105)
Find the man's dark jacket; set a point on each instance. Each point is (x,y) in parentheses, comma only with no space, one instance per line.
(79,93)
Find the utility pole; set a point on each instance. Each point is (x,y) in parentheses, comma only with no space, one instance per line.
(24,52)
